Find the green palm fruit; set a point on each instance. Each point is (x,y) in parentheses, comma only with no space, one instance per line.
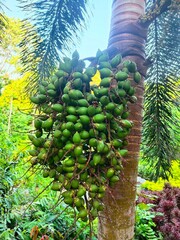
(96,204)
(83,103)
(68,193)
(33,152)
(68,200)
(75,184)
(71,118)
(77,75)
(114,179)
(103,91)
(94,213)
(81,191)
(105,82)
(78,126)
(57,133)
(83,176)
(48,124)
(93,133)
(84,134)
(133,99)
(110,172)
(126,63)
(137,77)
(104,100)
(66,133)
(47,109)
(53,79)
(105,65)
(38,142)
(69,125)
(96,159)
(104,57)
(78,202)
(116,143)
(121,76)
(120,84)
(126,123)
(61,177)
(71,110)
(90,71)
(132,67)
(85,78)
(91,111)
(61,153)
(105,72)
(69,146)
(126,85)
(76,138)
(100,146)
(82,110)
(96,92)
(85,120)
(39,133)
(82,159)
(109,116)
(65,98)
(45,173)
(115,61)
(125,115)
(52,173)
(69,162)
(131,91)
(123,152)
(93,188)
(110,106)
(37,123)
(66,66)
(121,93)
(114,161)
(75,94)
(61,73)
(57,107)
(42,89)
(67,88)
(118,110)
(35,100)
(125,69)
(69,175)
(56,186)
(93,142)
(42,98)
(68,169)
(90,97)
(51,93)
(77,84)
(99,118)
(100,127)
(51,86)
(82,214)
(78,151)
(44,83)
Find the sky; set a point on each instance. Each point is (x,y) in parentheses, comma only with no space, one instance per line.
(94,37)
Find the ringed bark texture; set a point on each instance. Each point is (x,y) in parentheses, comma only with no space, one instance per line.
(126,34)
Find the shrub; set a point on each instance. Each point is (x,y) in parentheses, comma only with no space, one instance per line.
(166,202)
(174,180)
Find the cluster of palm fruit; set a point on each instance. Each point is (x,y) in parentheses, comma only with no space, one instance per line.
(80,131)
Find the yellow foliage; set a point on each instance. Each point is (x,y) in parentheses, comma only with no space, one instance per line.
(15,92)
(96,78)
(173,180)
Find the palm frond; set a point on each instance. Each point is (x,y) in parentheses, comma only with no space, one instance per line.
(54,26)
(3,20)
(163,49)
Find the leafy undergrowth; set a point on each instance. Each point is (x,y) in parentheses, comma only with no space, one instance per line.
(166,202)
(174,180)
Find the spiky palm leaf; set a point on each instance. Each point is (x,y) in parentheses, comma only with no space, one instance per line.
(163,48)
(54,26)
(3,20)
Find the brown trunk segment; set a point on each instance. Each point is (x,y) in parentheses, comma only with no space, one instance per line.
(126,34)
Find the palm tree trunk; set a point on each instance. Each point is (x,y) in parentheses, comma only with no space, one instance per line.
(126,34)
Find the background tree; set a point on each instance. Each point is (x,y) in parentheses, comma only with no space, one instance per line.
(129,31)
